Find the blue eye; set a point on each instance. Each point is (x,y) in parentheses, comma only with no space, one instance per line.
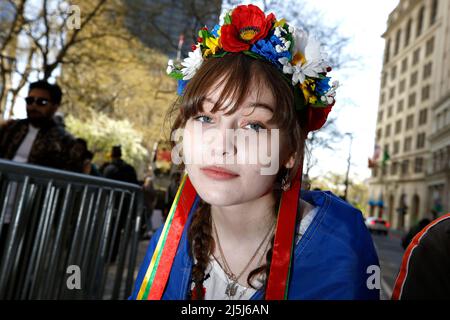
(203,119)
(256,126)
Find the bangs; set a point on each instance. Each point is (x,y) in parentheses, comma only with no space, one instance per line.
(237,75)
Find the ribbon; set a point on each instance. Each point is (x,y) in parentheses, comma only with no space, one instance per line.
(278,282)
(157,274)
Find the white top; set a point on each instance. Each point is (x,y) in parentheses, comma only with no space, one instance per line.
(216,283)
(25,147)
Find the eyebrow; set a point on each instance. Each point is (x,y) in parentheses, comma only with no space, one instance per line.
(251,105)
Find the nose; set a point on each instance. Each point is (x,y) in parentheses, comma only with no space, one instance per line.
(222,142)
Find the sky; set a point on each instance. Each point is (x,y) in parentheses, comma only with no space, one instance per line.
(357,99)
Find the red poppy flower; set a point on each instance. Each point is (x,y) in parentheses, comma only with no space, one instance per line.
(248,25)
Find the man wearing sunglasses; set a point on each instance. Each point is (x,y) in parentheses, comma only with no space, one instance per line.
(38,139)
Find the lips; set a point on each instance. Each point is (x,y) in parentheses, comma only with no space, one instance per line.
(219,173)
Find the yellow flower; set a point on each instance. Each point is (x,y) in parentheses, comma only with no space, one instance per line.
(308,87)
(279,23)
(213,45)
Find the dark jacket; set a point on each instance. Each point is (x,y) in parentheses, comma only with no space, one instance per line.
(425,269)
(51,148)
(120,170)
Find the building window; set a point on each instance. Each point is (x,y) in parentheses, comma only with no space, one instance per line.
(405,166)
(382,98)
(402,85)
(380,116)
(425,92)
(408,32)
(420,21)
(404,65)
(429,47)
(418,165)
(409,122)
(420,140)
(397,41)
(383,79)
(393,72)
(394,168)
(396,147)
(389,113)
(387,132)
(391,92)
(379,133)
(427,69)
(407,144)
(423,116)
(413,79)
(433,13)
(398,126)
(387,52)
(400,106)
(412,100)
(416,56)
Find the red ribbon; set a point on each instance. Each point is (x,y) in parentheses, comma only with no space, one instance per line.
(283,244)
(185,203)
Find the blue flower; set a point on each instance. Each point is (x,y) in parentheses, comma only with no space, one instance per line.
(322,86)
(267,49)
(215,31)
(181,85)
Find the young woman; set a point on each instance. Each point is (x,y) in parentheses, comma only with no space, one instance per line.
(239,228)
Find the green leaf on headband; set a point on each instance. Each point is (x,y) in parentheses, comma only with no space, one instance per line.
(253,54)
(219,55)
(177,75)
(227,19)
(299,99)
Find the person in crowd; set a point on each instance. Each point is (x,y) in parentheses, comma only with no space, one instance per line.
(425,270)
(88,166)
(38,139)
(118,169)
(238,231)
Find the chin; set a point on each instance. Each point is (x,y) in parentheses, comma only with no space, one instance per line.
(217,198)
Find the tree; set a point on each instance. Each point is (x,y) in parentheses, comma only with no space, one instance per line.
(38,39)
(102,133)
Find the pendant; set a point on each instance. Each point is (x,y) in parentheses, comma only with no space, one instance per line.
(231,289)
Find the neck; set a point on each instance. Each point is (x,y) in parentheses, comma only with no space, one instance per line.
(246,221)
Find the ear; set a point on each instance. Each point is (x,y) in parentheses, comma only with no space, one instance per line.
(290,163)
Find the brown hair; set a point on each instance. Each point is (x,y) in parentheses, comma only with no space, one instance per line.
(237,72)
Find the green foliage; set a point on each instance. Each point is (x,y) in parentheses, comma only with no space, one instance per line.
(102,132)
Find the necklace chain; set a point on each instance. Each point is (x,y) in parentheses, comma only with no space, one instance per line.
(232,287)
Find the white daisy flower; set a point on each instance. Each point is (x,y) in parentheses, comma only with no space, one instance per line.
(315,58)
(192,63)
(170,66)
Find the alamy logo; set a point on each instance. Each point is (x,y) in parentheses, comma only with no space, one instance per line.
(74,279)
(374,279)
(74,20)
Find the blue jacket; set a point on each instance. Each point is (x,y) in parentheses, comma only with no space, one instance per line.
(330,261)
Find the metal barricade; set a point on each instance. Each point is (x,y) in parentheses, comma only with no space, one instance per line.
(65,235)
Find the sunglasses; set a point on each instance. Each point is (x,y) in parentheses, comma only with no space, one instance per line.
(39,101)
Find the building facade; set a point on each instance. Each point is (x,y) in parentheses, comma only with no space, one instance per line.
(414,93)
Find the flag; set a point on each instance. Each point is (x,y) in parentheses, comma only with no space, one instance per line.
(386,158)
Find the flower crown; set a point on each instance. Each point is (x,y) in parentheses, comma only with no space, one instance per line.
(248,30)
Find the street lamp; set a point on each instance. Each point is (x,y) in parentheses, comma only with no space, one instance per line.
(348,164)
